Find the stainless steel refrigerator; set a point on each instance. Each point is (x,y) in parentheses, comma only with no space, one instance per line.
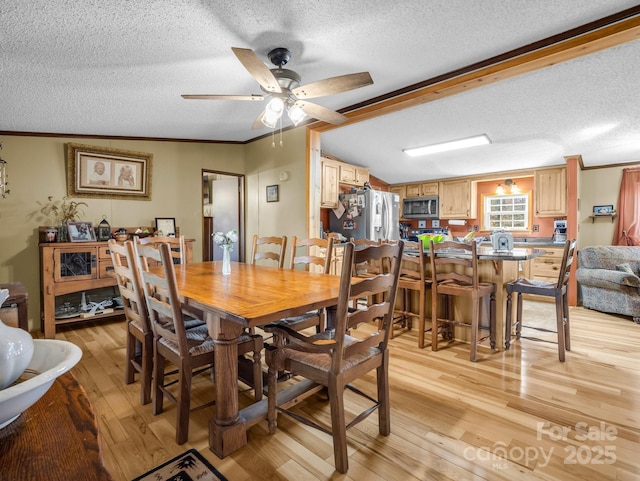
(367,214)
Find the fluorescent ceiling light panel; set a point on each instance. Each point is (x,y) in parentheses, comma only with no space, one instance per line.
(451,145)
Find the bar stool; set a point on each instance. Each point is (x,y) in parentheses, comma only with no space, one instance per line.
(454,272)
(558,290)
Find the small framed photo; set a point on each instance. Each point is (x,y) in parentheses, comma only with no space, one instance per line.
(272,193)
(602,209)
(81,232)
(166,225)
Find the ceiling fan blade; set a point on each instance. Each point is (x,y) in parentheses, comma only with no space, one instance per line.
(258,122)
(333,85)
(257,69)
(321,113)
(224,97)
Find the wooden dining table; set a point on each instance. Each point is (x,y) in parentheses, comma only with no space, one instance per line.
(251,296)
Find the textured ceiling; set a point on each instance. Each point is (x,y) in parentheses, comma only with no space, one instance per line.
(118,67)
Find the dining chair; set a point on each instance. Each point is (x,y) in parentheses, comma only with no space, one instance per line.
(176,244)
(139,331)
(413,278)
(278,244)
(191,351)
(333,358)
(454,273)
(559,290)
(306,253)
(366,268)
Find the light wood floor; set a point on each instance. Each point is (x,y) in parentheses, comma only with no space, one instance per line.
(518,414)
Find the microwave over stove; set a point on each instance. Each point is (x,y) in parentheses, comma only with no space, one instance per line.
(420,208)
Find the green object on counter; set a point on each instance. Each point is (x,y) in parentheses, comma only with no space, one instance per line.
(426,238)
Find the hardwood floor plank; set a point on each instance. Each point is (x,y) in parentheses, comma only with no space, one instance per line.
(517,414)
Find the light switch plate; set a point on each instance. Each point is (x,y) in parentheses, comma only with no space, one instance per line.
(422,224)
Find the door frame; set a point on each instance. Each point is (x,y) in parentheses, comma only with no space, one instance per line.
(241,209)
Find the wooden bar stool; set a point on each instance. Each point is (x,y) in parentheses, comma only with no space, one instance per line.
(454,272)
(558,290)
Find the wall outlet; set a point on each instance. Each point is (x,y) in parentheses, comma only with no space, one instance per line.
(435,223)
(469,228)
(422,224)
(475,227)
(536,228)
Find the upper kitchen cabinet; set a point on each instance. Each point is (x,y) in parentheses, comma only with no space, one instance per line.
(421,190)
(457,199)
(550,190)
(401,191)
(329,187)
(353,175)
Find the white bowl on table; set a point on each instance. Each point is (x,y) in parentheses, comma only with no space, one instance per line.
(51,358)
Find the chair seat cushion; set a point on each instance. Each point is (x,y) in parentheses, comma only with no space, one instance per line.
(321,361)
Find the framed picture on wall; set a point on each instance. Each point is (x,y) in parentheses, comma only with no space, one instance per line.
(94,171)
(272,193)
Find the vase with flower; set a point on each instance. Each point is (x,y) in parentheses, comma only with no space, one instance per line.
(226,241)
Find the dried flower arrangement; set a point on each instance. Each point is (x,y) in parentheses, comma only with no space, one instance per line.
(62,211)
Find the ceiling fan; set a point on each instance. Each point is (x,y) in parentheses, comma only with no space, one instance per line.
(283,86)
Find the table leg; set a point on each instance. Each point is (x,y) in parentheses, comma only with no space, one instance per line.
(227,431)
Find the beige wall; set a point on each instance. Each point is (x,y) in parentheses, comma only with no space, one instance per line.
(36,169)
(264,164)
(597,187)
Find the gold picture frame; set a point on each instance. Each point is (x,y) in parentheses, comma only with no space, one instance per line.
(94,171)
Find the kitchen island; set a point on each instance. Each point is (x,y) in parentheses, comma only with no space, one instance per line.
(499,267)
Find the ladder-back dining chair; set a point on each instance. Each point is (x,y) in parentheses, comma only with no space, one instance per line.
(333,358)
(558,290)
(276,249)
(191,351)
(139,331)
(454,273)
(176,245)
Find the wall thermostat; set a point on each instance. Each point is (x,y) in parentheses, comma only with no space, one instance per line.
(284,176)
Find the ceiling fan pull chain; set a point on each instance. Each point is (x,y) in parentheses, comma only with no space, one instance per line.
(280,131)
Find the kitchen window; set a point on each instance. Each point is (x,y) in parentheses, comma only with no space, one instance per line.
(508,212)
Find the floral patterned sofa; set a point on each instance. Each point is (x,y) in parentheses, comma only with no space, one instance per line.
(609,279)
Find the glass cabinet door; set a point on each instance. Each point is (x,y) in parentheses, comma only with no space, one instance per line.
(74,264)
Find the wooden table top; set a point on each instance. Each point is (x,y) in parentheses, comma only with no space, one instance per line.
(253,295)
(55,439)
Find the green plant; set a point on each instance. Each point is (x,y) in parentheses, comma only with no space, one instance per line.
(62,211)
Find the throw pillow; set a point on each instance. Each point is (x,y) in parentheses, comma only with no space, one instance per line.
(626,267)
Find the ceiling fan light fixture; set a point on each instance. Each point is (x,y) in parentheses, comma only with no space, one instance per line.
(447,146)
(273,112)
(296,114)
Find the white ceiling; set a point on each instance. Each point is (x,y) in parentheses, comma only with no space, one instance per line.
(118,67)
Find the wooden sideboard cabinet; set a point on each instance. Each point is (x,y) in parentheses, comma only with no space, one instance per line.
(68,268)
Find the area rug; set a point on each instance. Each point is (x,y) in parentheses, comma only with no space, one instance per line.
(188,466)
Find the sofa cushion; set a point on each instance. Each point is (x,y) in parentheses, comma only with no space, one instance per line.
(608,257)
(606,278)
(626,267)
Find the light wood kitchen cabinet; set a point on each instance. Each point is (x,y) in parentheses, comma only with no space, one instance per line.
(401,191)
(550,189)
(329,184)
(422,190)
(353,175)
(457,199)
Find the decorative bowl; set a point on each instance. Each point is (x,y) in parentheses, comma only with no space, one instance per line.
(51,358)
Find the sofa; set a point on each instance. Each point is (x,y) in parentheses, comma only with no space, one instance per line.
(609,279)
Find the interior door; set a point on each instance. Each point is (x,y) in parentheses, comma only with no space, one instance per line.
(225,210)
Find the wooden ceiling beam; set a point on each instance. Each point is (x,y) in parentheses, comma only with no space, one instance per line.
(540,55)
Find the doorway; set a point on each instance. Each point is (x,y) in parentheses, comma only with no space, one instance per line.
(222,211)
